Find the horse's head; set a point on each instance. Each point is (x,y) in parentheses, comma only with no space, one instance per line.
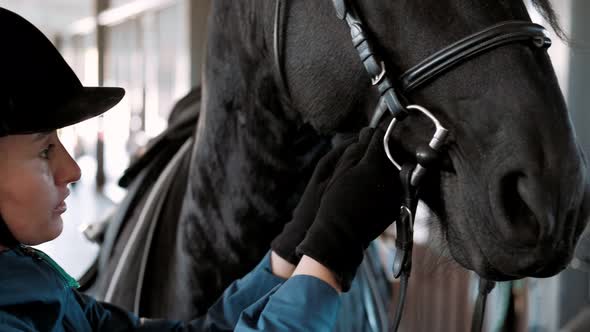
(512,193)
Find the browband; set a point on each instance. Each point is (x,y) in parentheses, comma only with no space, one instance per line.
(500,34)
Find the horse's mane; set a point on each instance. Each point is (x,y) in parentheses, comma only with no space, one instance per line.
(546,10)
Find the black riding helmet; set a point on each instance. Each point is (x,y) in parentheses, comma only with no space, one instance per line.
(39,92)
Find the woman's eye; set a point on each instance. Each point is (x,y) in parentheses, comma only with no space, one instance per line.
(45,152)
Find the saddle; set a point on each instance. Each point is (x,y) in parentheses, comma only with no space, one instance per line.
(149,175)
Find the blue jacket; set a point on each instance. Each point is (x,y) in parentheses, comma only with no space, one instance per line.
(36,295)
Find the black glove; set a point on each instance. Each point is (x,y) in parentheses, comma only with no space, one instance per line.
(304,214)
(359,203)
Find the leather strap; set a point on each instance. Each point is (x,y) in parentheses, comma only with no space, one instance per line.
(485,287)
(341,8)
(389,97)
(507,32)
(404,242)
(277,46)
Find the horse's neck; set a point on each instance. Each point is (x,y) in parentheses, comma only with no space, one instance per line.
(246,172)
(243,173)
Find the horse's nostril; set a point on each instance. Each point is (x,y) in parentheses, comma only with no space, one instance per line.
(520,225)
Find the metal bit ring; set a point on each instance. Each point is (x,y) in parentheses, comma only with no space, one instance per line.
(435,143)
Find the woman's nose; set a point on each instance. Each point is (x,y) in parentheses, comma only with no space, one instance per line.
(67,170)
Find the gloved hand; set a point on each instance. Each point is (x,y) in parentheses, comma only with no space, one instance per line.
(360,202)
(304,214)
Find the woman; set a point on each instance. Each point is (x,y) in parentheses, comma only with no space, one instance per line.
(295,287)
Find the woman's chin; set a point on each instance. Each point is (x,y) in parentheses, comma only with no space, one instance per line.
(57,228)
(53,230)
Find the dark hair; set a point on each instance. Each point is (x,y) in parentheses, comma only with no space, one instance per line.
(546,10)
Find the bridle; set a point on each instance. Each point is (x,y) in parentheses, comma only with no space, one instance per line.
(392,100)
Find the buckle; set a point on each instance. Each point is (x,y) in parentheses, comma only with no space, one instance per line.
(377,79)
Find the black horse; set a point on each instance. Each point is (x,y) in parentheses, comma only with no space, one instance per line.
(510,199)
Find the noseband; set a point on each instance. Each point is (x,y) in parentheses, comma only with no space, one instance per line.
(392,100)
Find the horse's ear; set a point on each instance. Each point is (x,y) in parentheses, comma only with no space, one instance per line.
(340,6)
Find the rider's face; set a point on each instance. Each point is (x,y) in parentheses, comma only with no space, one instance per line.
(35,170)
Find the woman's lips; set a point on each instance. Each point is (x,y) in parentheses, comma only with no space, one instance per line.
(61,208)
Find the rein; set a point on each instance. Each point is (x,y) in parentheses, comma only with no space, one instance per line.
(392,100)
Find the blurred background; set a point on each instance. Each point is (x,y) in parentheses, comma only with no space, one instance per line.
(154,49)
(151,48)
(148,47)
